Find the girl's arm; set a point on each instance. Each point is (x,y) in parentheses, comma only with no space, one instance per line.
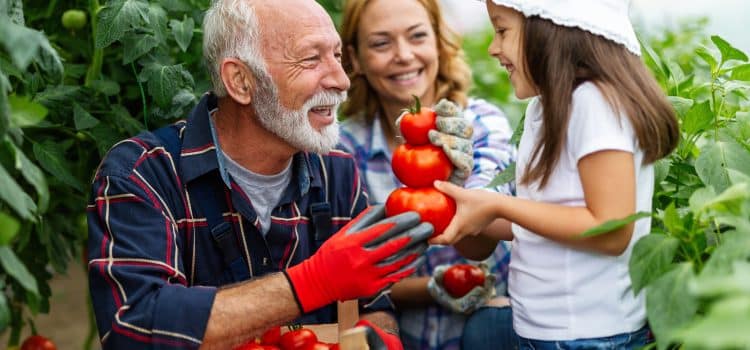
(481,246)
(608,180)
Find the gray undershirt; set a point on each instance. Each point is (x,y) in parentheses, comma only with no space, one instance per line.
(264,191)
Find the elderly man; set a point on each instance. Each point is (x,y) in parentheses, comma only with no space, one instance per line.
(185,220)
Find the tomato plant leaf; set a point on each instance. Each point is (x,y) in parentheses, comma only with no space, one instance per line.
(51,158)
(16,269)
(15,197)
(20,42)
(681,105)
(506,176)
(714,160)
(652,257)
(35,177)
(4,311)
(106,87)
(707,57)
(135,46)
(734,246)
(670,303)
(723,327)
(183,31)
(25,112)
(741,72)
(698,118)
(165,81)
(612,225)
(116,18)
(728,52)
(82,118)
(8,230)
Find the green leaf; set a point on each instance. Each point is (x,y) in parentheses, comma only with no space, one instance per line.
(16,269)
(25,112)
(82,118)
(700,197)
(681,105)
(52,159)
(728,200)
(707,57)
(672,221)
(118,17)
(741,72)
(714,160)
(612,225)
(735,282)
(106,87)
(724,327)
(183,31)
(4,107)
(516,138)
(728,52)
(135,46)
(734,246)
(15,196)
(50,62)
(506,176)
(698,118)
(669,303)
(35,177)
(652,257)
(20,42)
(8,229)
(4,312)
(661,170)
(165,81)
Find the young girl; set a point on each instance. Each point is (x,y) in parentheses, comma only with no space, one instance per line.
(595,124)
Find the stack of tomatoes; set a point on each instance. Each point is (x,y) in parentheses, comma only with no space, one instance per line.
(297,338)
(417,164)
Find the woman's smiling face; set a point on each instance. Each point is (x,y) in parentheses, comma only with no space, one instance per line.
(507,47)
(397,51)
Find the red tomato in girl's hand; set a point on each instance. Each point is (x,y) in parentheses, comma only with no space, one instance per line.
(272,336)
(38,342)
(415,125)
(461,279)
(298,339)
(420,166)
(432,205)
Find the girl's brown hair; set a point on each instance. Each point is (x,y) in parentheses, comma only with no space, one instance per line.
(453,77)
(558,59)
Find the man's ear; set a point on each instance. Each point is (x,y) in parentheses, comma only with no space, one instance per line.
(354,59)
(238,81)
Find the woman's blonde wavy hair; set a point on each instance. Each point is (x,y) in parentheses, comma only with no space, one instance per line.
(454,75)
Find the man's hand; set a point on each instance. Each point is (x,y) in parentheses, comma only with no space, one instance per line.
(467,303)
(378,339)
(453,134)
(365,257)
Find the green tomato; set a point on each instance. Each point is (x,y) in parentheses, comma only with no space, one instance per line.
(74,19)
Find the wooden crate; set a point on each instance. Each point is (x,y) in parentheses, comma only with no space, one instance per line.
(344,332)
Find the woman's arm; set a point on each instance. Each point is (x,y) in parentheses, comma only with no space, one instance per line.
(608,179)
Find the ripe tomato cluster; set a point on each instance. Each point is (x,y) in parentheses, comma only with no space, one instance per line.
(297,338)
(417,164)
(38,342)
(462,278)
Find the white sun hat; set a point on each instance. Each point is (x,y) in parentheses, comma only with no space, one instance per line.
(606,18)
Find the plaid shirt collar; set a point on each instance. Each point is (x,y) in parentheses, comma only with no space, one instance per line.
(200,157)
(376,144)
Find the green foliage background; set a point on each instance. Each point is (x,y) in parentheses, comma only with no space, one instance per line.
(66,96)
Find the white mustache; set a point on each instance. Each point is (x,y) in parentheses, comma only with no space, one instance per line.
(325,98)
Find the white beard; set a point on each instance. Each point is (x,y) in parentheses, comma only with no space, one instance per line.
(293,126)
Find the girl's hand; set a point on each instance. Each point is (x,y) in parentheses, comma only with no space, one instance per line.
(474,211)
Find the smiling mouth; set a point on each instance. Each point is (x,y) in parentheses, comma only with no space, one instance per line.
(322,110)
(405,77)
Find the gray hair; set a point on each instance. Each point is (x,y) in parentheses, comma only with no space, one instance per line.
(230,29)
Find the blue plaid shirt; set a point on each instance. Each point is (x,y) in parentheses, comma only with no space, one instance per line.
(435,327)
(153,266)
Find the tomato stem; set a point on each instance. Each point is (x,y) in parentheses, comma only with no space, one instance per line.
(417,105)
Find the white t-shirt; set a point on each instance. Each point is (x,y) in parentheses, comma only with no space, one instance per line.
(560,293)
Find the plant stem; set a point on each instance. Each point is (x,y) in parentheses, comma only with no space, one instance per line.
(143,96)
(95,69)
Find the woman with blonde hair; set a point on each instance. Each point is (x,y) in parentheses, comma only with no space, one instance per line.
(395,50)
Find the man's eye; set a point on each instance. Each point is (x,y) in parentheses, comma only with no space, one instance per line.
(312,58)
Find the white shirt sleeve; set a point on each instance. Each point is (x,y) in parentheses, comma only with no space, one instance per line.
(594,126)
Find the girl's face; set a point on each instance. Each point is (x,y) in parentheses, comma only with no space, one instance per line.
(506,47)
(397,51)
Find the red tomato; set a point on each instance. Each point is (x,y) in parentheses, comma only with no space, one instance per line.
(298,339)
(415,125)
(462,278)
(432,205)
(335,346)
(38,342)
(420,166)
(271,336)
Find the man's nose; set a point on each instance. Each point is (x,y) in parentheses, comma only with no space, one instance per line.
(336,77)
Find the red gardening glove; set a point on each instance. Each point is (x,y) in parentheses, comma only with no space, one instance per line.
(366,256)
(378,339)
